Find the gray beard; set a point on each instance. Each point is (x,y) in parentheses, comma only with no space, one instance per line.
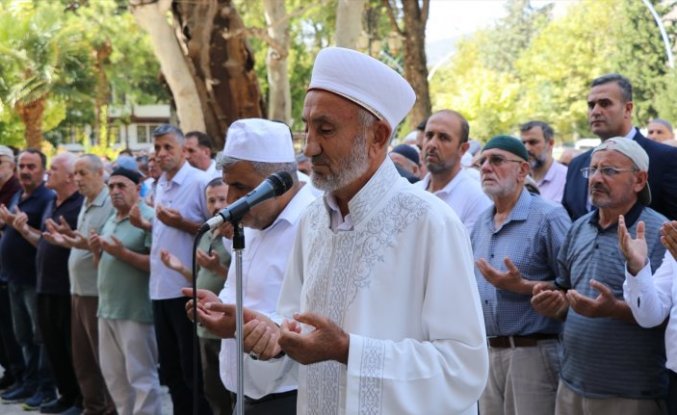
(350,169)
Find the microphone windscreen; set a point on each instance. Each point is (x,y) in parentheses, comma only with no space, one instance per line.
(281,181)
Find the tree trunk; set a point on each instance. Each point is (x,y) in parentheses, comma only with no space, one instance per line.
(31,116)
(415,60)
(222,65)
(101,54)
(348,23)
(152,17)
(279,97)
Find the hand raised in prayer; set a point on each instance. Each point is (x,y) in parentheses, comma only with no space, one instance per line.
(224,230)
(549,301)
(510,280)
(605,305)
(137,220)
(95,244)
(211,262)
(54,237)
(634,250)
(64,227)
(113,246)
(171,261)
(217,317)
(168,216)
(261,336)
(6,215)
(20,222)
(669,237)
(326,342)
(76,240)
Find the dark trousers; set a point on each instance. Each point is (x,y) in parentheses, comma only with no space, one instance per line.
(217,395)
(174,335)
(11,358)
(54,322)
(672,393)
(85,345)
(275,403)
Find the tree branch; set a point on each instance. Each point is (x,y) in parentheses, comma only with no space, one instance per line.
(425,11)
(391,16)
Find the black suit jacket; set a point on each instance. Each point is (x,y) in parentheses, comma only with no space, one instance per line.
(662,179)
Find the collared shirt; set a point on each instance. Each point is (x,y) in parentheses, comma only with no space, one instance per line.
(51,261)
(531,237)
(17,254)
(212,172)
(185,192)
(83,272)
(603,356)
(551,186)
(264,262)
(464,195)
(123,288)
(654,298)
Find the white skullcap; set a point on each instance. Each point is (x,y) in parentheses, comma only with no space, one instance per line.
(256,139)
(365,81)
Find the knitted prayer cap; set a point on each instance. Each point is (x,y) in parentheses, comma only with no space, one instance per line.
(508,143)
(132,175)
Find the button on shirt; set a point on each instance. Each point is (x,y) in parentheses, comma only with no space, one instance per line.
(652,299)
(551,186)
(185,192)
(264,262)
(465,196)
(531,237)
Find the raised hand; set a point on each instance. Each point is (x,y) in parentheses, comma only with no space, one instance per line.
(326,342)
(76,240)
(95,243)
(604,305)
(20,222)
(225,230)
(113,246)
(137,220)
(549,301)
(634,250)
(171,261)
(168,216)
(217,317)
(510,280)
(211,262)
(64,227)
(669,237)
(6,215)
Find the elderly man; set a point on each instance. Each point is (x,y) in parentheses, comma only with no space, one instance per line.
(407,162)
(254,149)
(610,115)
(660,130)
(18,264)
(515,244)
(53,286)
(610,364)
(180,209)
(550,176)
(127,348)
(199,149)
(445,142)
(95,211)
(377,267)
(652,299)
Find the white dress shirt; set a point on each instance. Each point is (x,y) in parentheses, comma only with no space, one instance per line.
(653,298)
(264,261)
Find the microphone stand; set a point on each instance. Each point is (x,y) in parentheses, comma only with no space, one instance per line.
(196,340)
(238,247)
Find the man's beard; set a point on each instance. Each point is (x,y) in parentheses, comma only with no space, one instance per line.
(536,162)
(349,169)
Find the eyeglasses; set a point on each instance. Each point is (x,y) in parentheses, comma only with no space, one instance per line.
(588,172)
(495,160)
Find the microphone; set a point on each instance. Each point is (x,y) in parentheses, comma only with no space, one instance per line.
(274,185)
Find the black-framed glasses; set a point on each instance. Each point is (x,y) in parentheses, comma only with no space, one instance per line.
(588,172)
(495,160)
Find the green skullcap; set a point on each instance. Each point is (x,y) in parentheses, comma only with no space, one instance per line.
(508,143)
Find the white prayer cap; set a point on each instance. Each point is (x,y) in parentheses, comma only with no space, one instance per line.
(256,139)
(365,81)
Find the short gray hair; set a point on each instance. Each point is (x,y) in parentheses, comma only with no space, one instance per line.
(68,161)
(663,122)
(166,129)
(264,169)
(94,162)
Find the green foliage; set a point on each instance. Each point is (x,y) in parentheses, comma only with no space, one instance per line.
(532,67)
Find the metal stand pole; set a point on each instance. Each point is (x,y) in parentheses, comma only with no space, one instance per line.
(238,246)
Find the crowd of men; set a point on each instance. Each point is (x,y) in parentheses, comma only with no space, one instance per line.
(500,281)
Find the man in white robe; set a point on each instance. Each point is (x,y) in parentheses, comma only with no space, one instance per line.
(382,304)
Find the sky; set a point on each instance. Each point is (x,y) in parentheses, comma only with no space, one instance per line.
(451,19)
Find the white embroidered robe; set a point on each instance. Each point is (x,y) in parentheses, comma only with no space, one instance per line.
(401,283)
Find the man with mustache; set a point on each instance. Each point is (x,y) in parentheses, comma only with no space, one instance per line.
(549,175)
(515,244)
(610,115)
(444,144)
(610,364)
(127,347)
(18,264)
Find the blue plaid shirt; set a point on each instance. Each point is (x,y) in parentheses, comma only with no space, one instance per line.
(531,237)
